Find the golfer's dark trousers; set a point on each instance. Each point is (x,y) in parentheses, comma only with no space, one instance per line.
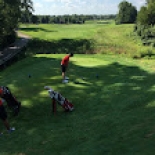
(11,101)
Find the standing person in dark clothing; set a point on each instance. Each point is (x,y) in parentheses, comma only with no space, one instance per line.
(6,94)
(3,117)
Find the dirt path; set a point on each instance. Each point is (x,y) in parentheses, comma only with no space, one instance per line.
(21,35)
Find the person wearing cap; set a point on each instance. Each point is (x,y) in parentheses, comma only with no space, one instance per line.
(64,65)
(3,117)
(6,94)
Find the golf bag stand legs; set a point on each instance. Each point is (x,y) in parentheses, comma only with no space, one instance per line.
(54,106)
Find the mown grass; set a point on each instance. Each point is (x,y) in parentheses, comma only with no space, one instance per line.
(50,38)
(114,113)
(92,37)
(59,31)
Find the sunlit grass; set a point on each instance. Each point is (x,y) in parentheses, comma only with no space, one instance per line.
(114,100)
(114,112)
(58,31)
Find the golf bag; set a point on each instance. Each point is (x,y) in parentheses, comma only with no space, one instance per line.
(67,105)
(10,99)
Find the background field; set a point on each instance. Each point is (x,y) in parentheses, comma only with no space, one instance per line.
(91,37)
(114,113)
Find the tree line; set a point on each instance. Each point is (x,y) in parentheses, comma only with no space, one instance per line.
(63,19)
(12,12)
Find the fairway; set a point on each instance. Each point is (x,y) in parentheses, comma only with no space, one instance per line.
(114,113)
(89,38)
(58,31)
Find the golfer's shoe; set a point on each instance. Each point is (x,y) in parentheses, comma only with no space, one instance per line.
(11,130)
(66,78)
(65,81)
(1,134)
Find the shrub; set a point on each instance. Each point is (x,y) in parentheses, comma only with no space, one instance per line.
(8,39)
(62,46)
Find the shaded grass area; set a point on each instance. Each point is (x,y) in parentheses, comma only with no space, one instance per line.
(114,112)
(35,29)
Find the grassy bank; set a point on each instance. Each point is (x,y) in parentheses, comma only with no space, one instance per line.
(91,37)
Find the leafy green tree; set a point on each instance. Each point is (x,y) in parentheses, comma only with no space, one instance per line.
(151,12)
(34,19)
(9,21)
(145,22)
(10,12)
(127,13)
(142,16)
(146,15)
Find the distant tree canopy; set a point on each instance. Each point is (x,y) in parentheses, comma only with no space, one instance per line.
(10,12)
(127,13)
(63,19)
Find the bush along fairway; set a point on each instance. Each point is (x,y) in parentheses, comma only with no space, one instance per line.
(114,106)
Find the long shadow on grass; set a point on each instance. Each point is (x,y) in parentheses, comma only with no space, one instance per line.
(112,109)
(27,29)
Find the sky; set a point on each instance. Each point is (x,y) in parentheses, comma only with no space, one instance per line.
(65,7)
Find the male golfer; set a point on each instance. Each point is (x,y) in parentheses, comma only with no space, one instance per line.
(64,65)
(3,117)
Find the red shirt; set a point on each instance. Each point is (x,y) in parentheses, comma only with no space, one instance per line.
(65,60)
(1,103)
